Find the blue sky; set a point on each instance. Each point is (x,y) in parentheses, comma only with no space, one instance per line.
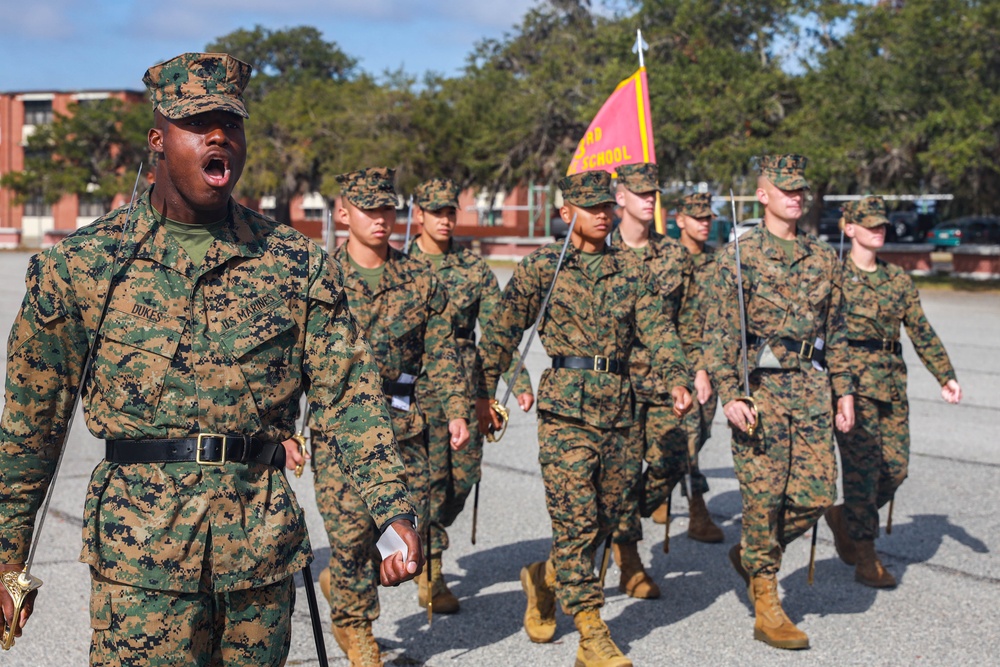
(97,44)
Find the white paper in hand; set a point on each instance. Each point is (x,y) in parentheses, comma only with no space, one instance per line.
(390,543)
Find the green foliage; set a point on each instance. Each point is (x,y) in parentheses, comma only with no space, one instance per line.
(895,96)
(93,150)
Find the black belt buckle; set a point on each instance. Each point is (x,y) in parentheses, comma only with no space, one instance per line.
(202,437)
(602,364)
(806,350)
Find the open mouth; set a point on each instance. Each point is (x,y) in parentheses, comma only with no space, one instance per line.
(217,171)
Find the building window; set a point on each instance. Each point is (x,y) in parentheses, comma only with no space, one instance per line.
(37,208)
(313,213)
(91,207)
(37,112)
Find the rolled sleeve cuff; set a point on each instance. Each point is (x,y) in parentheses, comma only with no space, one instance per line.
(14,545)
(842,385)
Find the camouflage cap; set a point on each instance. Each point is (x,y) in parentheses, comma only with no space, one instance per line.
(587,188)
(193,83)
(697,205)
(436,194)
(639,178)
(868,212)
(787,172)
(369,188)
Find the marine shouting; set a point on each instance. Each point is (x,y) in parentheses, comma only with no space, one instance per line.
(194,332)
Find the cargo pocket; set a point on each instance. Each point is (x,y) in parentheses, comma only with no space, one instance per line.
(100,608)
(132,360)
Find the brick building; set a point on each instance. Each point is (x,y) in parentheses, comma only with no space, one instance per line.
(36,223)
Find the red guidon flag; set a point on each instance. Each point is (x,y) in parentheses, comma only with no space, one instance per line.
(621,132)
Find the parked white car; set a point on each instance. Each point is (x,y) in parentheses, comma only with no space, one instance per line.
(745,226)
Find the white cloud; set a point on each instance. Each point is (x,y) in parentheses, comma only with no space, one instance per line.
(37,19)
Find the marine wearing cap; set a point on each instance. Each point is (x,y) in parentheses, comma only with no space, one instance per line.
(787,172)
(369,188)
(697,205)
(436,194)
(639,178)
(868,212)
(588,188)
(193,83)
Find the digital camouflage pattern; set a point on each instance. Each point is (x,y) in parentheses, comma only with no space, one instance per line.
(225,347)
(583,415)
(194,83)
(876,453)
(474,295)
(369,188)
(697,205)
(588,188)
(407,321)
(584,484)
(661,442)
(868,212)
(136,626)
(639,178)
(787,172)
(787,471)
(436,194)
(587,315)
(691,322)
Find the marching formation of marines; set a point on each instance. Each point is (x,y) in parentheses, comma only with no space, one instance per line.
(190,327)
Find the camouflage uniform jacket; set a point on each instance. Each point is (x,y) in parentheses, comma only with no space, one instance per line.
(226,347)
(474,294)
(586,316)
(408,323)
(874,311)
(694,307)
(801,301)
(669,264)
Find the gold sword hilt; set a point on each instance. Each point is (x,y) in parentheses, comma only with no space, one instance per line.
(19,585)
(751,428)
(504,415)
(303,450)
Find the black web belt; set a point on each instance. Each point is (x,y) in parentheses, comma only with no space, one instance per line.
(393,388)
(465,334)
(878,345)
(595,363)
(803,349)
(208,449)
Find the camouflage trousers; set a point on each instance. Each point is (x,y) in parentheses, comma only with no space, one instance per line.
(875,455)
(453,474)
(658,438)
(698,425)
(354,558)
(582,468)
(788,478)
(139,626)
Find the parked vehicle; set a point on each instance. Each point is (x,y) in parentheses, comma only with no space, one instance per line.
(964,231)
(745,226)
(909,226)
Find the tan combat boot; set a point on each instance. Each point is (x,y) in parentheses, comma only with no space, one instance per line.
(634,580)
(538,581)
(444,601)
(358,643)
(596,648)
(700,524)
(736,558)
(846,547)
(869,570)
(772,625)
(659,515)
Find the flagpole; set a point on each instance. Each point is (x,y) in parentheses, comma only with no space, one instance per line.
(640,46)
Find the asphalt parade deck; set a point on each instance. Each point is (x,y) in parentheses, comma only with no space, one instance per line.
(943,548)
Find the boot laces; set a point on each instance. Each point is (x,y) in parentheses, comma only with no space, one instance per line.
(599,642)
(366,647)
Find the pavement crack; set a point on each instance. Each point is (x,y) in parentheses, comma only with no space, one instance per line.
(952,459)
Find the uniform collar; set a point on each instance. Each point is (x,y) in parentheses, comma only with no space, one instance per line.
(653,247)
(394,272)
(768,244)
(451,256)
(610,264)
(241,237)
